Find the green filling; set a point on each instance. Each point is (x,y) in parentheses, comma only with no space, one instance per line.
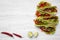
(43,12)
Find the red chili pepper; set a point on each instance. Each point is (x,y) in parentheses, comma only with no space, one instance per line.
(17,35)
(6,33)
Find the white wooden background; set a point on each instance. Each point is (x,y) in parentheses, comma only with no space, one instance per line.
(16,16)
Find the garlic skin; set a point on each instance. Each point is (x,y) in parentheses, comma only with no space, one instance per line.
(30,34)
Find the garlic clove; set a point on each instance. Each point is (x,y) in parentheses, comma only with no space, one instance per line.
(36,34)
(30,34)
